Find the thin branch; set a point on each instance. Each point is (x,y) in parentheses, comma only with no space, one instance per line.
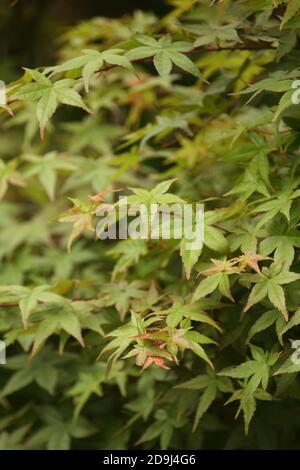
(247,47)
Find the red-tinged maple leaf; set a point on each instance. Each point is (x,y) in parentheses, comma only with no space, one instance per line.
(221,266)
(251,260)
(99,197)
(148,333)
(156,360)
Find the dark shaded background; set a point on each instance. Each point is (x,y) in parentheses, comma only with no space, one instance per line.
(29,28)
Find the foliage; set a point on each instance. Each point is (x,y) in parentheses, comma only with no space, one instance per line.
(115,344)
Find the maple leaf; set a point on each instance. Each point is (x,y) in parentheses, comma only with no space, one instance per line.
(81,216)
(48,95)
(9,175)
(251,260)
(157,361)
(221,266)
(165,53)
(269,283)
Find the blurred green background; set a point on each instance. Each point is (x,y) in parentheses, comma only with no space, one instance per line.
(29,28)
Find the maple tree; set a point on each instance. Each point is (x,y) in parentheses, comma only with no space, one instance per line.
(123,343)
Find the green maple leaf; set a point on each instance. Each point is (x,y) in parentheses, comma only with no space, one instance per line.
(46,168)
(91,61)
(48,95)
(9,175)
(165,53)
(269,285)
